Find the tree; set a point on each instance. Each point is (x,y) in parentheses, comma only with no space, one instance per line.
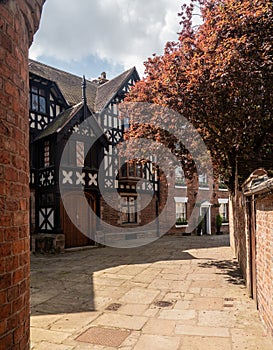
(218,76)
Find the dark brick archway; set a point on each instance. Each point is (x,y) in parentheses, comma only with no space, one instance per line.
(19,20)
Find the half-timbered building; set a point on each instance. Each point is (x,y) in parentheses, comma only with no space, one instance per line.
(82,190)
(74,131)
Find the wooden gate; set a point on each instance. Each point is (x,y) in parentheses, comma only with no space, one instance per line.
(81,212)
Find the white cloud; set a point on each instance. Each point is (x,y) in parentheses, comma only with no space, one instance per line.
(124,32)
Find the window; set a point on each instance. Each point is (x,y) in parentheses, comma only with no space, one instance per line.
(138,170)
(46,154)
(128,209)
(131,169)
(179,177)
(181,213)
(181,210)
(37,99)
(223,211)
(80,154)
(203,180)
(222,185)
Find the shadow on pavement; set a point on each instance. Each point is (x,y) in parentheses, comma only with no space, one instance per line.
(230,269)
(64,283)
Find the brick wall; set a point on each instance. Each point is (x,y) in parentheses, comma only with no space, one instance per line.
(18,22)
(190,192)
(239,233)
(146,210)
(264,258)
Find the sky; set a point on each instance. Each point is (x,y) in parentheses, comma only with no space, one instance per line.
(87,37)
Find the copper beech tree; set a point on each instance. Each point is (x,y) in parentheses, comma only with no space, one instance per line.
(219,76)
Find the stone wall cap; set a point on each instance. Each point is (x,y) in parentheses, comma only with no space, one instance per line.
(257,185)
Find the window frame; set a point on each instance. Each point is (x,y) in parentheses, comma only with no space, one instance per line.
(203,180)
(223,211)
(180,179)
(128,212)
(39,93)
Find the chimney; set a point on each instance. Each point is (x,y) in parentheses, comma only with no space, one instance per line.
(102,79)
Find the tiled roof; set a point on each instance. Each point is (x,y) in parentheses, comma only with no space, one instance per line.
(69,84)
(98,96)
(108,90)
(60,121)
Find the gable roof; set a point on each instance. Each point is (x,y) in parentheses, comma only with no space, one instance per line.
(60,121)
(64,118)
(109,90)
(98,96)
(69,84)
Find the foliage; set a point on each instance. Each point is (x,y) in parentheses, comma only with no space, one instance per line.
(181,221)
(219,220)
(219,77)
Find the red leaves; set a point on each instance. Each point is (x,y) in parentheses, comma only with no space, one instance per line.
(219,77)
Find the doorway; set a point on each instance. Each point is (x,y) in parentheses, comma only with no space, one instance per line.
(79,226)
(205,212)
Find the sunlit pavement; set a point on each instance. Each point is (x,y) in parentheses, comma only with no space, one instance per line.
(178,293)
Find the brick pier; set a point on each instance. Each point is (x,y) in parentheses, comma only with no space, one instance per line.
(18,22)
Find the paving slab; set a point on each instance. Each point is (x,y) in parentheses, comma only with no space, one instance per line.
(202,331)
(157,342)
(177,293)
(140,295)
(177,314)
(121,321)
(205,343)
(159,326)
(46,346)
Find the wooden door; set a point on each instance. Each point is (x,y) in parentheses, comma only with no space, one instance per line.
(79,226)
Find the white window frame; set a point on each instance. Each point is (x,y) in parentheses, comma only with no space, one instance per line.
(223,210)
(181,202)
(179,177)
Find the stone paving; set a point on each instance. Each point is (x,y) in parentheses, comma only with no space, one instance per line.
(178,293)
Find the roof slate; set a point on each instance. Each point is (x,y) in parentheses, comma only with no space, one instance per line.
(98,96)
(69,84)
(60,121)
(107,91)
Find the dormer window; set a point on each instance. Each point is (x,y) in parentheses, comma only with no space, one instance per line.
(37,99)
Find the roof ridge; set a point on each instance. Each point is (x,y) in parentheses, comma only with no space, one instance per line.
(60,70)
(116,77)
(121,79)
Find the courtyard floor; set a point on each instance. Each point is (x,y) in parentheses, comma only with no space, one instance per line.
(178,293)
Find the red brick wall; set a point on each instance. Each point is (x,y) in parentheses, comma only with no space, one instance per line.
(113,217)
(238,237)
(18,22)
(190,192)
(264,259)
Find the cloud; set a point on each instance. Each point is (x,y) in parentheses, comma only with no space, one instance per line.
(123,32)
